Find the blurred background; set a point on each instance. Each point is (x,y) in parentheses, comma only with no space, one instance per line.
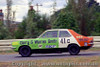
(21,19)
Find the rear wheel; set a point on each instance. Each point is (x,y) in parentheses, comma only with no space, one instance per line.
(73,49)
(25,51)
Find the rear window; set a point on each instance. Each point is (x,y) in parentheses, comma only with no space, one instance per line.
(64,34)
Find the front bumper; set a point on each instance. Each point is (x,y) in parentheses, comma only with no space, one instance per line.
(13,47)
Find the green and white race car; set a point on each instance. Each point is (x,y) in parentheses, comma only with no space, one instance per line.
(53,40)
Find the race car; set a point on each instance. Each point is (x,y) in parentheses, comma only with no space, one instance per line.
(54,41)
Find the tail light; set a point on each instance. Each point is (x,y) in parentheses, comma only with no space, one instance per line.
(91,41)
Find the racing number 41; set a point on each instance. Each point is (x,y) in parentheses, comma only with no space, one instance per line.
(63,41)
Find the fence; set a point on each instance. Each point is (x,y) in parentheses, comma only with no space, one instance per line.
(6,44)
(96,41)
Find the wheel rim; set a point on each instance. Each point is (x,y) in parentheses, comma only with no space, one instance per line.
(74,49)
(24,51)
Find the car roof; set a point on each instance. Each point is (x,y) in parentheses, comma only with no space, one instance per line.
(52,30)
(55,29)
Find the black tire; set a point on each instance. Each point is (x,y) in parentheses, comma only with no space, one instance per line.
(25,51)
(73,49)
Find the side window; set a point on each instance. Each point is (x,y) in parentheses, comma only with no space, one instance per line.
(64,34)
(50,34)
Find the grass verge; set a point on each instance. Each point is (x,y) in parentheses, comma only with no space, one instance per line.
(94,49)
(7,52)
(57,62)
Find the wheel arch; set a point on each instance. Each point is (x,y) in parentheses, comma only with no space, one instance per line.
(22,46)
(72,44)
(71,51)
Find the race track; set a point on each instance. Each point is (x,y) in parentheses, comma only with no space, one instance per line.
(17,57)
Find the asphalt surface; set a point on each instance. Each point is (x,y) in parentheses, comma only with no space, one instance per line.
(17,57)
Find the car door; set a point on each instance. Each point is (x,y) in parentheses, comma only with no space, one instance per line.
(64,38)
(48,40)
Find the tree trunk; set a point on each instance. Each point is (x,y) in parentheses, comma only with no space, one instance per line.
(83,26)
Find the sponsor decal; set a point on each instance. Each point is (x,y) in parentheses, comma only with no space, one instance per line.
(40,45)
(24,42)
(52,41)
(79,36)
(50,46)
(31,41)
(40,41)
(85,44)
(44,41)
(83,39)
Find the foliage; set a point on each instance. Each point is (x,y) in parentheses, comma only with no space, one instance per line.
(43,24)
(84,14)
(4,34)
(32,26)
(80,15)
(97,25)
(96,28)
(21,32)
(65,20)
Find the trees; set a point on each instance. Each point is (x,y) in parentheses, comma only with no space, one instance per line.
(96,28)
(84,12)
(79,15)
(65,20)
(32,25)
(4,34)
(42,24)
(36,24)
(21,32)
(80,11)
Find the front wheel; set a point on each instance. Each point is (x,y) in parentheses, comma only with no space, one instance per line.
(73,49)
(25,51)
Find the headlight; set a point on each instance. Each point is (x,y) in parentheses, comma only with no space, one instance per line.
(15,43)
